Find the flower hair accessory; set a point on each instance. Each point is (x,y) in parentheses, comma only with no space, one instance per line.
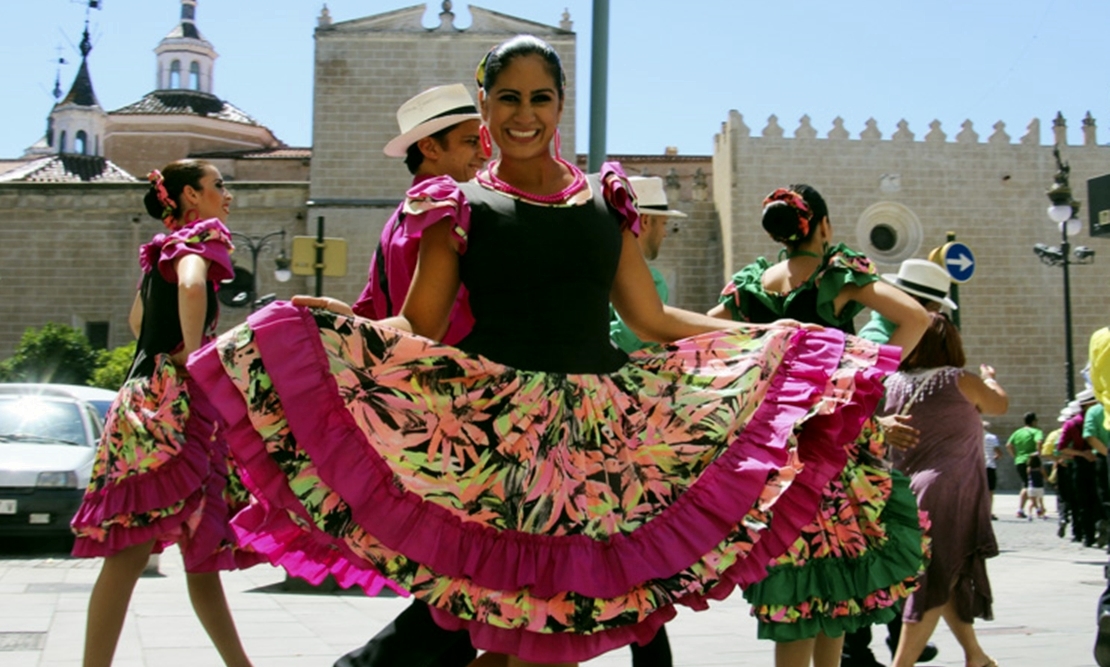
(480,73)
(787,197)
(158,182)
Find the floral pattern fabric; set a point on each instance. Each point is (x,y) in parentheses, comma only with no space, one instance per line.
(162,470)
(574,510)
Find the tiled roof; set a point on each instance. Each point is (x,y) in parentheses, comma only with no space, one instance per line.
(280,153)
(68,169)
(187,102)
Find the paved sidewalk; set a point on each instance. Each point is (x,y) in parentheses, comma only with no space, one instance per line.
(1045,594)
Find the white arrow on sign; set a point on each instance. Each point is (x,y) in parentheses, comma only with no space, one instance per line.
(962,261)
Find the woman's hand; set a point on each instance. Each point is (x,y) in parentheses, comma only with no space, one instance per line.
(897,431)
(325,302)
(179,358)
(986,372)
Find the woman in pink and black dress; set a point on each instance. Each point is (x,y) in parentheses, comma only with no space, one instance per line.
(161,472)
(534,485)
(948,475)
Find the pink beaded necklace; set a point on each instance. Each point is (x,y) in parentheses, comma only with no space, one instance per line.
(496,183)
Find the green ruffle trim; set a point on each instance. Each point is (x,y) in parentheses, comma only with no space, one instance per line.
(840,266)
(834,595)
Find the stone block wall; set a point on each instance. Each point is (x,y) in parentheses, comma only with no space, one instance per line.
(69,252)
(990,193)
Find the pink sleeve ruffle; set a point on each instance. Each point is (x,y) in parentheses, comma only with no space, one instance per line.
(435,199)
(208,238)
(620,196)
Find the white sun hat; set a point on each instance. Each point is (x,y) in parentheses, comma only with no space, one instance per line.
(651,198)
(429,112)
(923,278)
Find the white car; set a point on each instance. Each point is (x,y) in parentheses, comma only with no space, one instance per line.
(48,439)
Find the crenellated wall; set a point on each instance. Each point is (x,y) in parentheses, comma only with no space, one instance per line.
(990,193)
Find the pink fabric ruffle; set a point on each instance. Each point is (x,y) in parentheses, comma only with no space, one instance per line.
(620,196)
(208,238)
(679,536)
(196,478)
(433,200)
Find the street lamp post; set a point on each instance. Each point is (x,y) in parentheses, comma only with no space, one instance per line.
(1064,211)
(256,244)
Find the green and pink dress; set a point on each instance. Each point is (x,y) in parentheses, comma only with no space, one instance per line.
(866,547)
(534,485)
(162,467)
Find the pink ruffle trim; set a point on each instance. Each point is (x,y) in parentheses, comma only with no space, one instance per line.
(618,193)
(214,245)
(693,526)
(194,477)
(433,200)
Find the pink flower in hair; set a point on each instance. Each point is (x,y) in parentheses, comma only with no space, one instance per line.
(158,182)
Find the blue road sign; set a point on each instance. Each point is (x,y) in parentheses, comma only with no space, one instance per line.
(959,260)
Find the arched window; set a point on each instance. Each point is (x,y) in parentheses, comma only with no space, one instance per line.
(194,76)
(62,142)
(50,132)
(175,74)
(80,143)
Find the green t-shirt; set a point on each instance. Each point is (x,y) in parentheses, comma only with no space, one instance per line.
(878,329)
(1025,441)
(1094,423)
(619,332)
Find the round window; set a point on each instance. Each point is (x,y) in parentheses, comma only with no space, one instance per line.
(889,232)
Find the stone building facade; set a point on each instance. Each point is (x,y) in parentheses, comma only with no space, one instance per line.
(989,191)
(365,69)
(68,250)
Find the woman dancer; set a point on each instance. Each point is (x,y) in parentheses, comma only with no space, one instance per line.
(534,485)
(161,470)
(948,476)
(856,559)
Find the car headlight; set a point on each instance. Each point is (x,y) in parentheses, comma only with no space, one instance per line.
(57,480)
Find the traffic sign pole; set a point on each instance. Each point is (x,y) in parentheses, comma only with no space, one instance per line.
(954,289)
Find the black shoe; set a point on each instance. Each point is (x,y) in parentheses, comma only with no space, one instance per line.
(1102,643)
(1062,529)
(865,659)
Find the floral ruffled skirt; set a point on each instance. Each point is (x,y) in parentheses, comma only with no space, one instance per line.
(855,561)
(162,473)
(554,516)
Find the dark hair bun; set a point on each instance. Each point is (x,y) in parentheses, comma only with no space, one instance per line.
(782,221)
(154,208)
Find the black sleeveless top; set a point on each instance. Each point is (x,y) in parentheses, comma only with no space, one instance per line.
(161,328)
(539,279)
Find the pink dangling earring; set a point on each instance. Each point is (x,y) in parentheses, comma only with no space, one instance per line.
(485,141)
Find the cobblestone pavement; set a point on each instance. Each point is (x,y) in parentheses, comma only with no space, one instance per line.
(1045,595)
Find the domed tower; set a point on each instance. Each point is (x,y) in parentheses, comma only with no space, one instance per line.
(185,58)
(182,116)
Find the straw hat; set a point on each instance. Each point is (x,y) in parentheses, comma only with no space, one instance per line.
(923,278)
(651,198)
(429,112)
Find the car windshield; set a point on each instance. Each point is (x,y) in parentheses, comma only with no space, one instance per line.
(35,419)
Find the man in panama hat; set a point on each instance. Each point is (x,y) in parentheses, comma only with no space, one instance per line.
(439,137)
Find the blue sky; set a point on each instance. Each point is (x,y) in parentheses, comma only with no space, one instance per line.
(676,68)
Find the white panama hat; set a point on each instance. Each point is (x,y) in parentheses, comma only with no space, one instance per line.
(923,278)
(651,198)
(429,112)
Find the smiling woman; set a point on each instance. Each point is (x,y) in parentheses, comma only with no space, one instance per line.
(534,486)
